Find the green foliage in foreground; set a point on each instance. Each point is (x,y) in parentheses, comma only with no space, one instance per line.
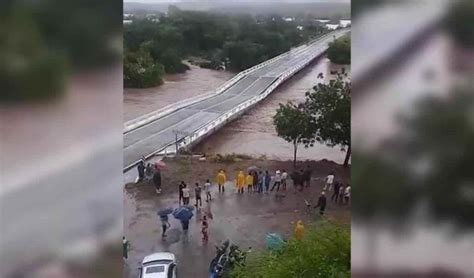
(460,22)
(324,251)
(339,51)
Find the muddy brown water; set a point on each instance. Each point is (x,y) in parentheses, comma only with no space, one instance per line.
(175,88)
(254,134)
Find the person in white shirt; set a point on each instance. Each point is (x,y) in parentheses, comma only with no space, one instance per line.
(347,194)
(329,181)
(207,189)
(277,182)
(186,195)
(284,177)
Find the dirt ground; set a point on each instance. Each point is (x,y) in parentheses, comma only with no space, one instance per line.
(244,219)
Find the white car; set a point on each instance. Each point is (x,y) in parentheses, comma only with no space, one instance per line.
(158,265)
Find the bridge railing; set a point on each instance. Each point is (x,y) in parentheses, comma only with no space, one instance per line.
(236,111)
(152,116)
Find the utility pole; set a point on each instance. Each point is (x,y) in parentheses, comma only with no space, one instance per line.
(176,137)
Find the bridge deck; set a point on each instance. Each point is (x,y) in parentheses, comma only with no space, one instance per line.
(158,134)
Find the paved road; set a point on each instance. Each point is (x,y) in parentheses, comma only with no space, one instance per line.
(158,134)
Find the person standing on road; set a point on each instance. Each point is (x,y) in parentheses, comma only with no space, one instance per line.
(164,224)
(221,178)
(284,177)
(240,182)
(335,194)
(205,235)
(185,225)
(307,176)
(329,181)
(125,248)
(197,193)
(207,189)
(347,194)
(149,171)
(321,203)
(141,171)
(277,181)
(296,177)
(268,179)
(342,189)
(181,186)
(261,181)
(299,230)
(249,181)
(157,181)
(255,181)
(186,195)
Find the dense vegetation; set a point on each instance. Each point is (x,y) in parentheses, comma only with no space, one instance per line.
(43,40)
(325,117)
(339,51)
(460,22)
(323,252)
(235,42)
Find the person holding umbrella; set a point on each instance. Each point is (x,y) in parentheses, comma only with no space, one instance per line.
(184,214)
(157,181)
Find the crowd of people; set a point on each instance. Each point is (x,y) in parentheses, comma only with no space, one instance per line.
(253,181)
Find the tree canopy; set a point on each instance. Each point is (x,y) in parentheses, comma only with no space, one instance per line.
(460,22)
(293,124)
(329,107)
(339,51)
(238,41)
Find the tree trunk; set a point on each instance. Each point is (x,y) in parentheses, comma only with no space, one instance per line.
(295,144)
(348,155)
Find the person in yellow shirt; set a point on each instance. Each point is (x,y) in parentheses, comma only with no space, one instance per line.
(240,182)
(299,230)
(249,180)
(221,178)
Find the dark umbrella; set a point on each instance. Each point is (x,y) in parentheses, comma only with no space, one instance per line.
(252,168)
(188,207)
(182,213)
(165,212)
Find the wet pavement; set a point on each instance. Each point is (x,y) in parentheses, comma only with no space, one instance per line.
(244,219)
(255,127)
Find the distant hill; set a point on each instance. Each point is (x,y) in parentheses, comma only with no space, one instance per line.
(319,9)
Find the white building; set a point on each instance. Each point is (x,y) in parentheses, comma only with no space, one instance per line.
(345,23)
(299,27)
(127,21)
(288,19)
(332,26)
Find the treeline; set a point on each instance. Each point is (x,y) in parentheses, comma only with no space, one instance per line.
(339,51)
(235,42)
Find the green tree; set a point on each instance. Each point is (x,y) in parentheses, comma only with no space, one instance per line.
(140,71)
(329,107)
(339,51)
(293,125)
(324,251)
(460,22)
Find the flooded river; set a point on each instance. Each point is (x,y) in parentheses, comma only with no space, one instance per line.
(177,87)
(254,134)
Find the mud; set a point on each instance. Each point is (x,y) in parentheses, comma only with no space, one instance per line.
(244,219)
